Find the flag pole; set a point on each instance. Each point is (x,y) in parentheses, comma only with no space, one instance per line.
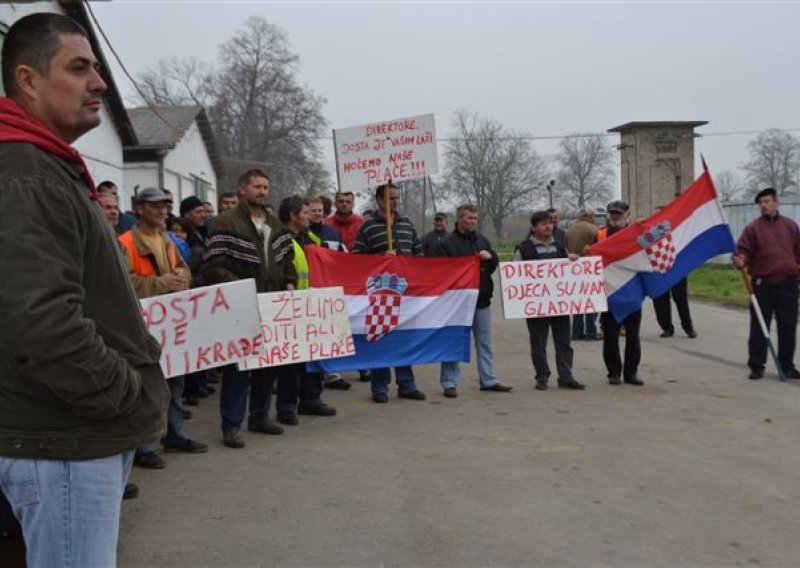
(387,211)
(757,309)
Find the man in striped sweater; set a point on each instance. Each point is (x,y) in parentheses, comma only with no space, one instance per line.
(373,238)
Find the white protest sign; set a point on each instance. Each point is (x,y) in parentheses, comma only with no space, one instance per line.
(204,327)
(556,287)
(397,150)
(303,325)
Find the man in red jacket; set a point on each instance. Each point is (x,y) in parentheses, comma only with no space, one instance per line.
(344,220)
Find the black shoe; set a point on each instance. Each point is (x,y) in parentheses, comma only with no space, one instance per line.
(288,417)
(756,374)
(574,385)
(338,384)
(186,446)
(667,333)
(634,380)
(318,408)
(192,401)
(541,386)
(691,333)
(451,392)
(264,426)
(380,397)
(793,374)
(363,376)
(205,391)
(131,491)
(149,460)
(614,380)
(497,387)
(187,414)
(413,395)
(232,439)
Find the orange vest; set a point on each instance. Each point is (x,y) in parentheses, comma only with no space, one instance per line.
(602,234)
(144,265)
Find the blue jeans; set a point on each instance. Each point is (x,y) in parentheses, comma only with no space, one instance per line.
(578,330)
(382,377)
(233,395)
(450,373)
(175,431)
(68,509)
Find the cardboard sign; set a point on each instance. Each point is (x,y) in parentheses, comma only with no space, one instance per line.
(303,325)
(557,287)
(397,150)
(203,328)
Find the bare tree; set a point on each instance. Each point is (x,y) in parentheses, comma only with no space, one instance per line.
(774,161)
(586,175)
(495,169)
(258,110)
(729,186)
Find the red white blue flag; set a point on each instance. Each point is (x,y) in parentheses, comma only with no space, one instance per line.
(650,257)
(404,310)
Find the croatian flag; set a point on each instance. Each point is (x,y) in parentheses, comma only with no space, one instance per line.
(650,257)
(404,310)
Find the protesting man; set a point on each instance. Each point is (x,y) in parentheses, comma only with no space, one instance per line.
(540,245)
(580,235)
(769,248)
(618,218)
(558,232)
(465,240)
(156,268)
(238,248)
(373,238)
(430,242)
(288,249)
(227,200)
(343,220)
(125,221)
(80,381)
(327,235)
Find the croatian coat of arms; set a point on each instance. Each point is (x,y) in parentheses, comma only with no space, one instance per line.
(659,246)
(385,294)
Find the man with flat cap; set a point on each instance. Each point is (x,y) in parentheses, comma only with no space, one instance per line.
(769,248)
(618,218)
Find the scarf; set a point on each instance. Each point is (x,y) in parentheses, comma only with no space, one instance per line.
(16,125)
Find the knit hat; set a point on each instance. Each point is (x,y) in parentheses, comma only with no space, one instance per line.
(191,202)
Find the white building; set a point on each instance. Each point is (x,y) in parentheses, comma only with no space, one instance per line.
(175,151)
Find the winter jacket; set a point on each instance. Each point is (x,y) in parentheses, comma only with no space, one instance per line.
(372,237)
(347,227)
(147,276)
(79,374)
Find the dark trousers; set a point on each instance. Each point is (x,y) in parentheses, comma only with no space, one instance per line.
(233,395)
(780,299)
(538,329)
(194,383)
(584,326)
(680,296)
(633,347)
(295,385)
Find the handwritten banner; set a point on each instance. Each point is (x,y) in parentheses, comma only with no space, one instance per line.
(397,150)
(203,328)
(300,326)
(557,287)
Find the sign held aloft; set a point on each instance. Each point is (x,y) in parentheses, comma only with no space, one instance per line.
(397,150)
(203,328)
(556,287)
(300,326)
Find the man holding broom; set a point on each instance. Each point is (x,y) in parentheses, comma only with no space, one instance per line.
(769,248)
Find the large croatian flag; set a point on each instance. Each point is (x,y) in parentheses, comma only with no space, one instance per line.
(404,310)
(650,257)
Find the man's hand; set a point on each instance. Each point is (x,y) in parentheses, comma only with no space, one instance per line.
(176,281)
(485,255)
(573,256)
(738,260)
(391,252)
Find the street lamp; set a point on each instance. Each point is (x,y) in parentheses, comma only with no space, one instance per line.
(549,188)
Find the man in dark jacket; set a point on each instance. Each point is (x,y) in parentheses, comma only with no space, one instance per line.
(541,245)
(431,240)
(465,240)
(238,248)
(80,381)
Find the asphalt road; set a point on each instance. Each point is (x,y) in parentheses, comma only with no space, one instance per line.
(696,468)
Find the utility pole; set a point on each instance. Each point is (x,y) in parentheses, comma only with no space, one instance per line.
(549,187)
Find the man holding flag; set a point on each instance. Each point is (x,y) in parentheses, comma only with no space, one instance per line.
(769,248)
(650,257)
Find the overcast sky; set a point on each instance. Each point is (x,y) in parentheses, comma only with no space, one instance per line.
(544,68)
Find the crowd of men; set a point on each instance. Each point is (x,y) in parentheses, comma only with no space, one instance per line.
(82,394)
